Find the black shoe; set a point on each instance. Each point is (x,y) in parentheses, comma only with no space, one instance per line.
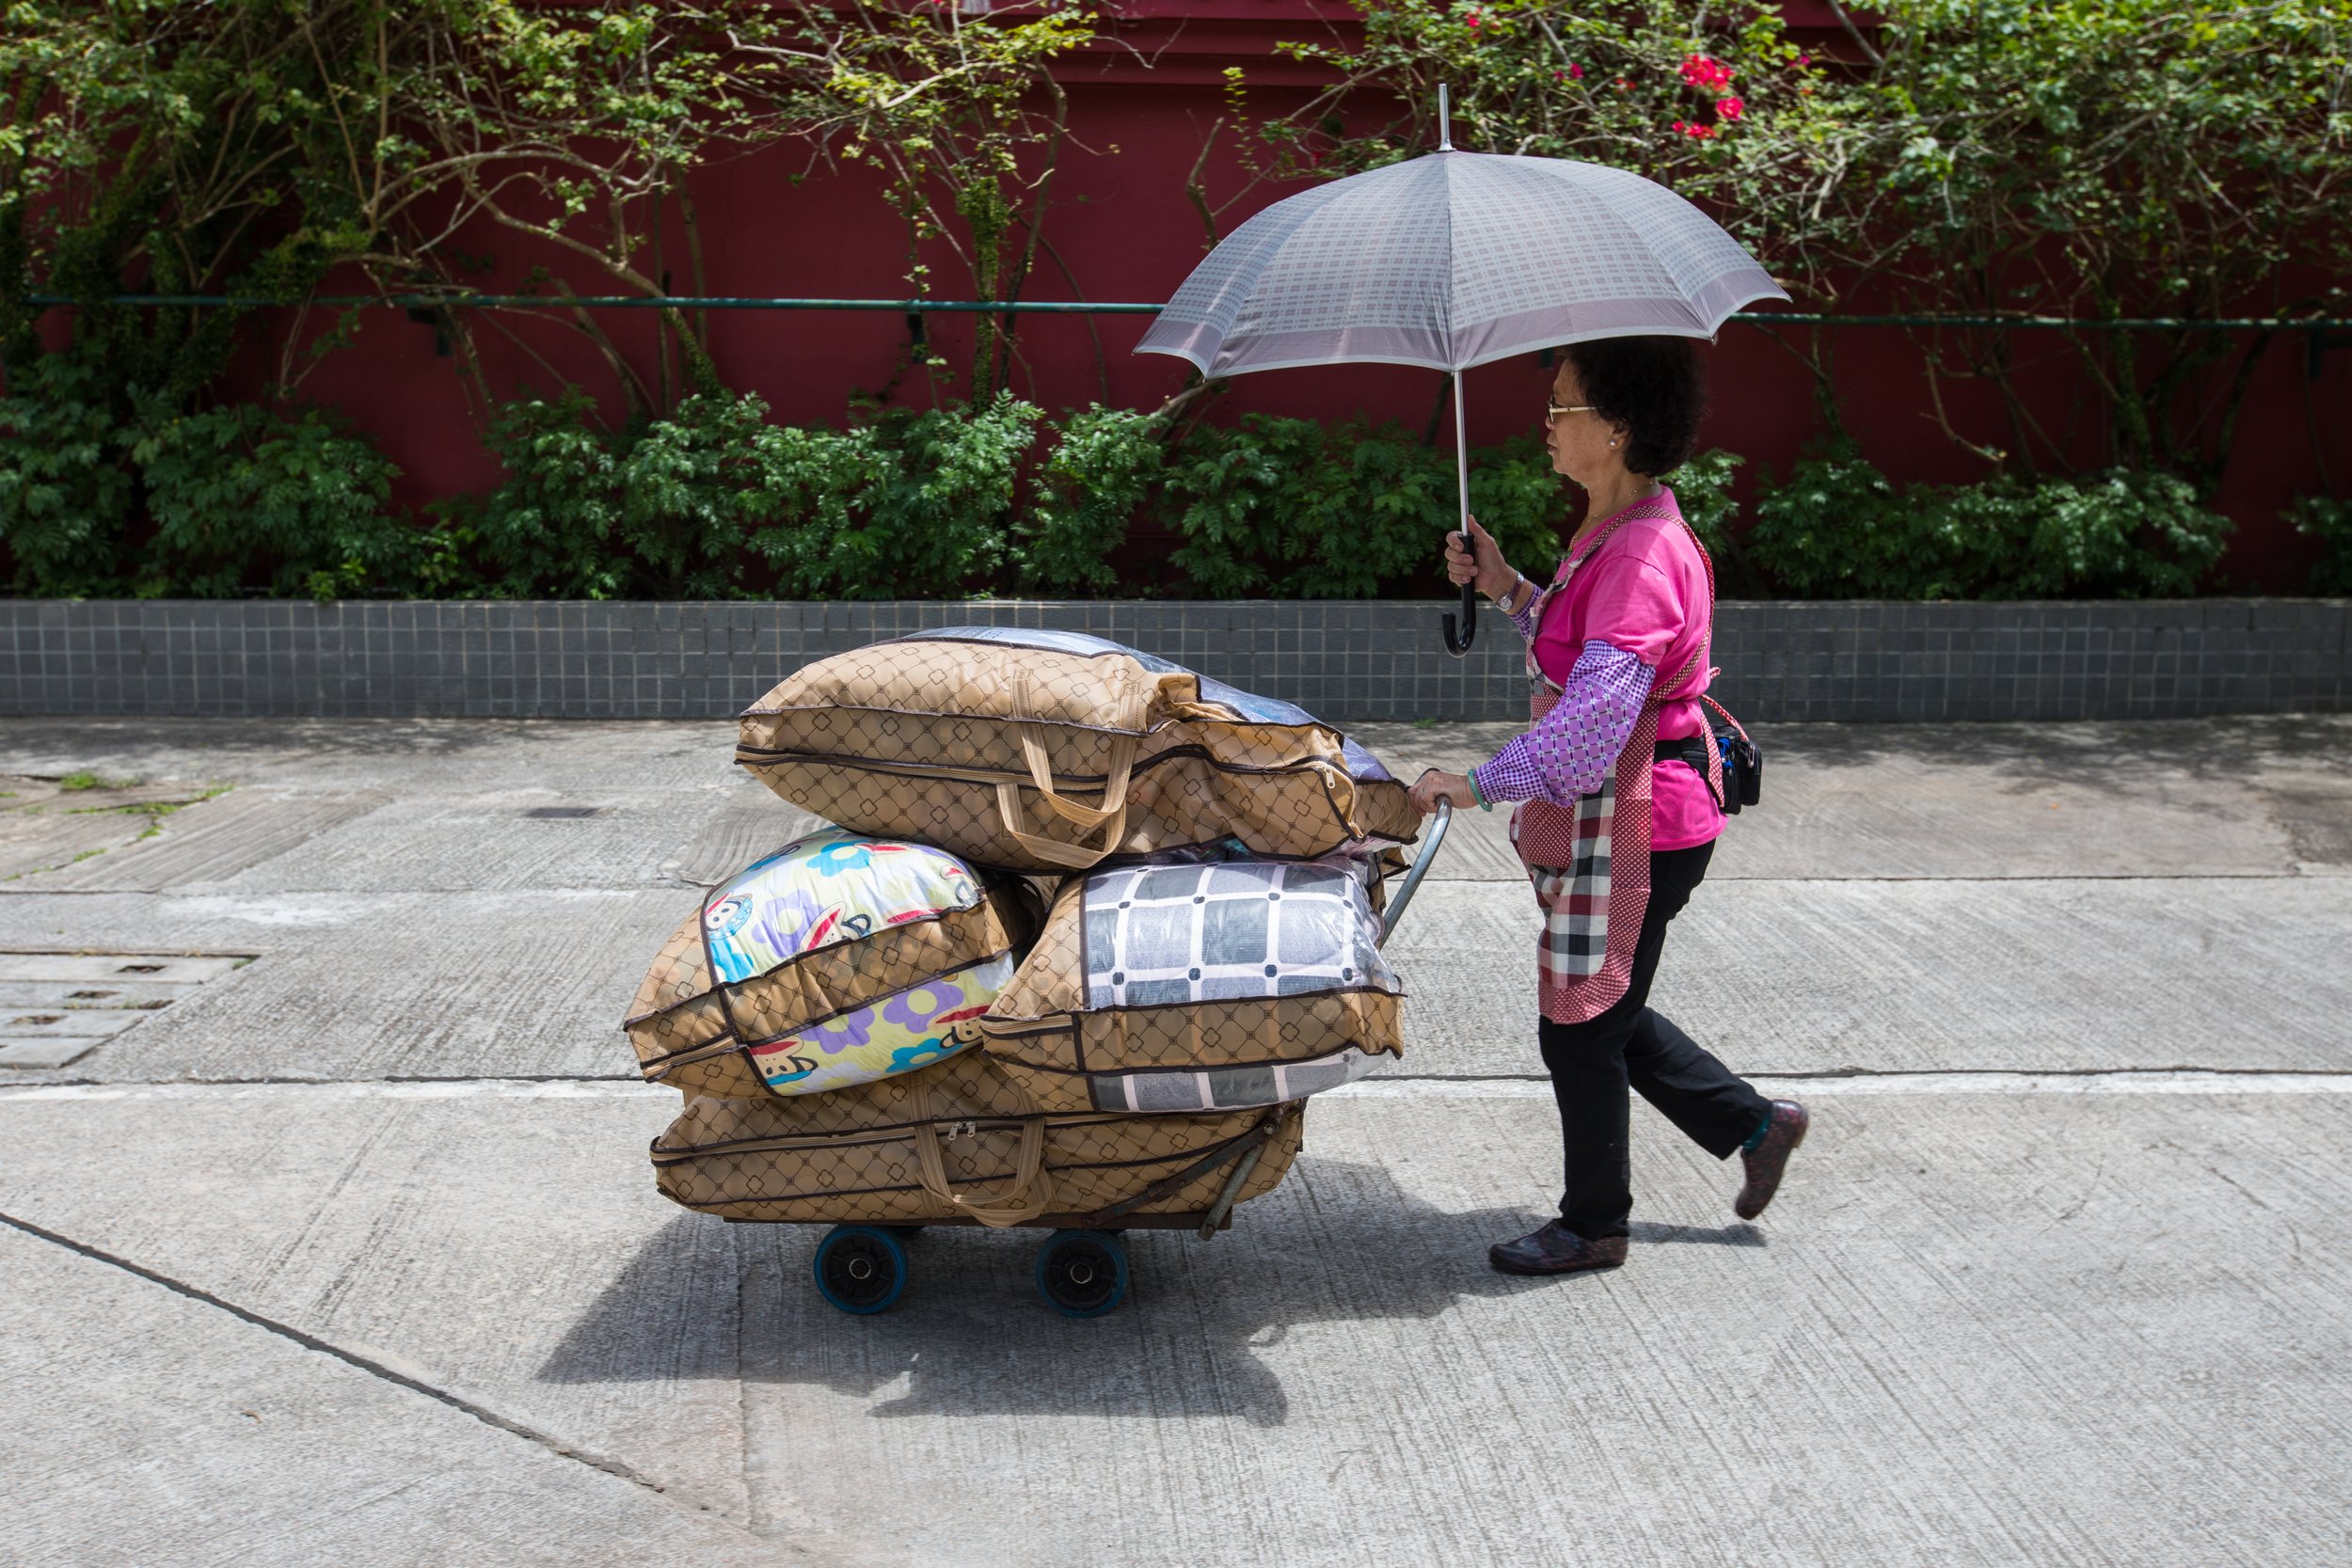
(1767,1159)
(1557,1249)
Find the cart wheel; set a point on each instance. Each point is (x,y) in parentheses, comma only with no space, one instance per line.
(1082,1272)
(860,1268)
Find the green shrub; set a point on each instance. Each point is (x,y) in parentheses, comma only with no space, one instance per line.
(715,501)
(1292,508)
(1702,490)
(1516,495)
(909,505)
(67,495)
(664,509)
(1102,468)
(1839,529)
(941,520)
(243,498)
(2329,521)
(694,488)
(1222,492)
(2121,534)
(552,529)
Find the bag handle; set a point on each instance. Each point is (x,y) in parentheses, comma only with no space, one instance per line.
(1024,1196)
(1109,818)
(1033,751)
(1053,851)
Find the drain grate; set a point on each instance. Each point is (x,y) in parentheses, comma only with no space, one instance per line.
(563,812)
(56,1008)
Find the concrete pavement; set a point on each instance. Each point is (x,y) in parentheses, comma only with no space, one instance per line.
(348,1253)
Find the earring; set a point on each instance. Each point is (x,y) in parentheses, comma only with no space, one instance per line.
(1613,443)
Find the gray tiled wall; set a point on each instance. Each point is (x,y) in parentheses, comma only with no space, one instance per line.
(1862,661)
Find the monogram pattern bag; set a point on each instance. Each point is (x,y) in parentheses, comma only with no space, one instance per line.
(956,1140)
(1049,752)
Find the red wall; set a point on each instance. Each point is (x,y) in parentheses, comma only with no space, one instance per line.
(1125,227)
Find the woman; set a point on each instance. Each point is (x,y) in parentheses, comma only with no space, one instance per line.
(1616,826)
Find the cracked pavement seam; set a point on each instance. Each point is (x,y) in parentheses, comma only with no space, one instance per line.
(377,1365)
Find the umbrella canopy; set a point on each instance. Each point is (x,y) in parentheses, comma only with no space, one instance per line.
(1453,260)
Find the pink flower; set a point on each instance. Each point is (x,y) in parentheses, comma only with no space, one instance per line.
(1576,72)
(1472,19)
(1729,108)
(1803,60)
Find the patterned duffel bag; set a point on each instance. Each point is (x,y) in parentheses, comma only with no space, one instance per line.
(1045,751)
(834,962)
(1199,988)
(957,1140)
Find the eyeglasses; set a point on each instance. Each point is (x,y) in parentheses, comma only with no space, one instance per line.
(1552,410)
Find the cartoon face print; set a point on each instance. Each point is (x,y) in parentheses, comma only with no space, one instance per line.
(781,1062)
(725,916)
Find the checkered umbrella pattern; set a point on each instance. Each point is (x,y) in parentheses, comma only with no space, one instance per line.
(1455,260)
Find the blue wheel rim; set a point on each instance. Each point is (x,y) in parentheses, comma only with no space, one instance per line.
(1082,1273)
(860,1268)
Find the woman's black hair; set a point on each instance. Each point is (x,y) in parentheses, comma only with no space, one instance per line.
(1653,387)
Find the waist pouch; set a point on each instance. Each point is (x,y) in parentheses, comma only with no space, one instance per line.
(1199,988)
(1048,751)
(1742,761)
(956,1140)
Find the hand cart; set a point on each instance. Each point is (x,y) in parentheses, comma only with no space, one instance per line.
(1082,1266)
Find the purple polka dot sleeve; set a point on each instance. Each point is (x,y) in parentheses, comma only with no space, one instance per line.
(1524,617)
(1570,750)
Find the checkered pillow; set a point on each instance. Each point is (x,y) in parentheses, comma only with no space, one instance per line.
(1163,934)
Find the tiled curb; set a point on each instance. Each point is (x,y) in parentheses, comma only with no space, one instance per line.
(1864,661)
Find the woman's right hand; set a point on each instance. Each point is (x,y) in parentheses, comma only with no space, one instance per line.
(1480,560)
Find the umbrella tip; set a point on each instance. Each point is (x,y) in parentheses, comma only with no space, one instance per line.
(1445,119)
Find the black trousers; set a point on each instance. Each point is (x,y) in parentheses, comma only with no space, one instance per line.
(1593,1063)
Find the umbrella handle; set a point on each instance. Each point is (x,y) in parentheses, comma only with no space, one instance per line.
(1458,639)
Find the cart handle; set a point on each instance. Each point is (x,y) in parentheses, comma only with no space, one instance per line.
(1422,863)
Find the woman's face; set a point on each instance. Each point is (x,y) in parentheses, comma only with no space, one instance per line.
(1579,443)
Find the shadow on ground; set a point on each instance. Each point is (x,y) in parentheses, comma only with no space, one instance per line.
(2093,754)
(1338,1244)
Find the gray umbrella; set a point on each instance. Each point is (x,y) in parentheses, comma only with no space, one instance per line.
(1455,260)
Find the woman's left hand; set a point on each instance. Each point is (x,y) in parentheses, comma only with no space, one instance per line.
(1433,787)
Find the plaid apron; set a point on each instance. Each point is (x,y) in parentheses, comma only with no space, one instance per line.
(1590,865)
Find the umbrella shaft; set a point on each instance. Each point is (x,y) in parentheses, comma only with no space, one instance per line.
(1461,456)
